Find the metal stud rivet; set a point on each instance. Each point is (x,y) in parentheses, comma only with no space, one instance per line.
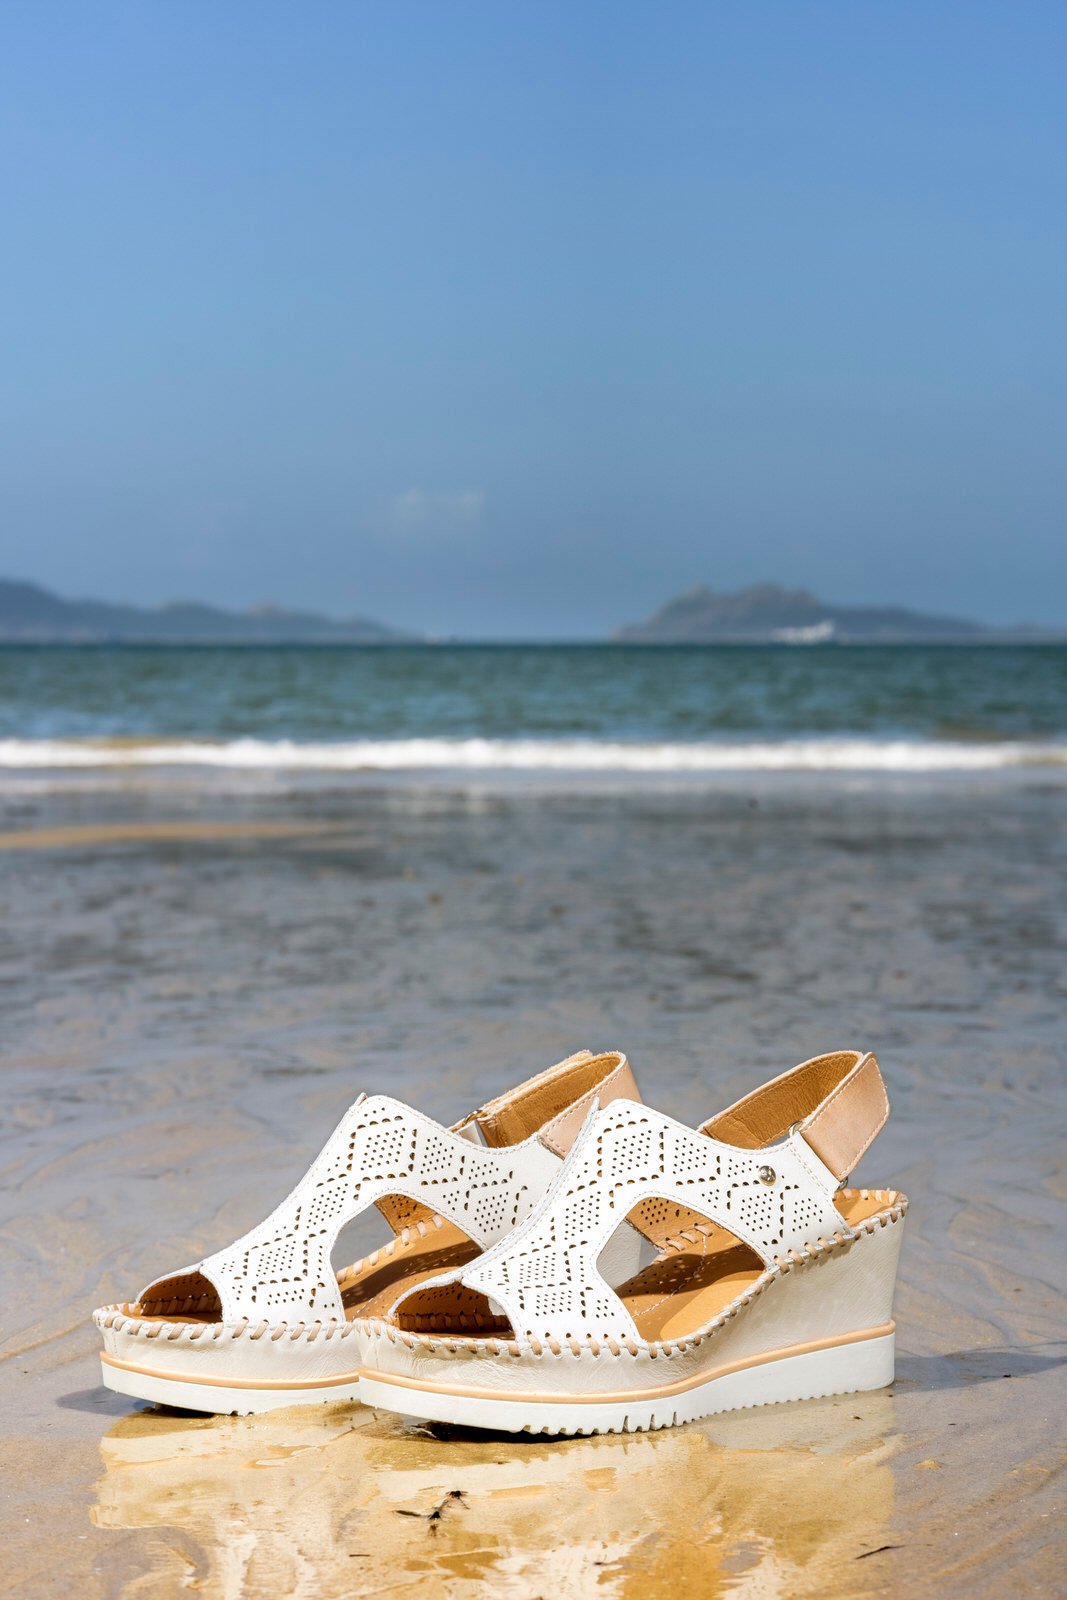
(766,1174)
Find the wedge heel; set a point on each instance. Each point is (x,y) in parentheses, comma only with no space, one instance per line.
(820,1324)
(803,1375)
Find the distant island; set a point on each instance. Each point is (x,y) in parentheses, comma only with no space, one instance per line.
(765,613)
(32,615)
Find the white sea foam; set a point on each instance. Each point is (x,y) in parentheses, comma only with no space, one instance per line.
(535,755)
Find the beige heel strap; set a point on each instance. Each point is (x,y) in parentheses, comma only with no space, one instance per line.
(838,1102)
(850,1119)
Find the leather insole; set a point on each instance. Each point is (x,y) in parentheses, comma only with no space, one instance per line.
(687,1288)
(374,1289)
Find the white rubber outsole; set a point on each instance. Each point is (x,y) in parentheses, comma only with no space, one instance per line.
(849,1368)
(221,1399)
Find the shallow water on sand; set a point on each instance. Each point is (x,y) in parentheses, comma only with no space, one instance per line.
(194,990)
(322,1505)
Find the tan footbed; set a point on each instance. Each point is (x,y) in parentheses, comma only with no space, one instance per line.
(685,1288)
(700,1270)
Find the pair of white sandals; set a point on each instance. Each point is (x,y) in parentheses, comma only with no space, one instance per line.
(512,1295)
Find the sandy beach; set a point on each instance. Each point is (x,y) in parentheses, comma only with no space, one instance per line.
(197,981)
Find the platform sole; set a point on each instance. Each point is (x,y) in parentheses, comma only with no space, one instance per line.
(223,1397)
(842,1366)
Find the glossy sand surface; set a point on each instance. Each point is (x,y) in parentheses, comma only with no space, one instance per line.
(197,983)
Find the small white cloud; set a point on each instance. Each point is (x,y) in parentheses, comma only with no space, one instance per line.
(416,508)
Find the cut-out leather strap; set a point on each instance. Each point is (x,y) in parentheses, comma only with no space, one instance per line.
(837,1101)
(545,1276)
(519,1113)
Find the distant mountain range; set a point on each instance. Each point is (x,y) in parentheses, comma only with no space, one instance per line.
(32,615)
(761,614)
(765,613)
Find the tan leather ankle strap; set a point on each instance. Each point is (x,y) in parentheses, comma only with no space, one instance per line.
(837,1102)
(849,1119)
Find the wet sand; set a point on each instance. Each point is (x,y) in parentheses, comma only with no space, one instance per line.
(196,983)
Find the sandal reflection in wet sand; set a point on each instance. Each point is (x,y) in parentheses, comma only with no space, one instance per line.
(340,1501)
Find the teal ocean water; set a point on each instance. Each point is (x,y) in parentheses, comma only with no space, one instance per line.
(609,708)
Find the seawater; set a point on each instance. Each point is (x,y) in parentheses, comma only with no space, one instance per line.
(591,708)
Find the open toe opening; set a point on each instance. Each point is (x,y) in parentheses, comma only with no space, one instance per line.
(417,1244)
(187,1297)
(450,1308)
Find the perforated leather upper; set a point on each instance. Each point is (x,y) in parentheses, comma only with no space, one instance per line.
(544,1276)
(282,1268)
(485,1175)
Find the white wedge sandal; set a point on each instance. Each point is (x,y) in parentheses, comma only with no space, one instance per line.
(269,1323)
(772,1282)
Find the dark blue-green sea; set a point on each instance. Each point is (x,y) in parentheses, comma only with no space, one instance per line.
(549,708)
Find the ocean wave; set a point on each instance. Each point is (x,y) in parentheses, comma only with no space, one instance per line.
(534,755)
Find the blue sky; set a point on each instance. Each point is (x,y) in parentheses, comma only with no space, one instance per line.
(506,320)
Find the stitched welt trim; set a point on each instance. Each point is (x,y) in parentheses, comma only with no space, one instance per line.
(118,1320)
(234,1383)
(624,1396)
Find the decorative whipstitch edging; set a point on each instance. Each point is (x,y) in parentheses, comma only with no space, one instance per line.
(123,1319)
(894,1212)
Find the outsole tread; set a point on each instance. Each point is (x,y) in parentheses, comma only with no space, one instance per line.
(863,1364)
(655,1424)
